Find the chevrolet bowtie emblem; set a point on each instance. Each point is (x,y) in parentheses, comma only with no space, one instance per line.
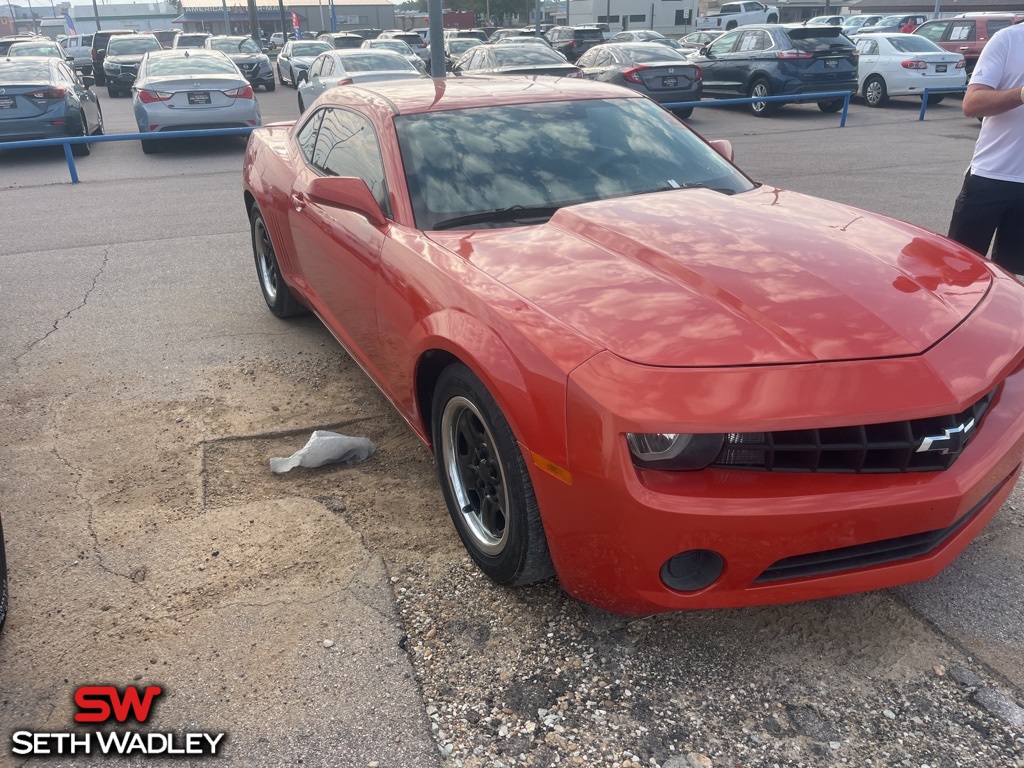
(951,440)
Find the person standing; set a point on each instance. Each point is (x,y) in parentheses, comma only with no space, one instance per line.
(991,201)
(910,26)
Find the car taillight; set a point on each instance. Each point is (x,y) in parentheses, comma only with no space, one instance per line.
(148,97)
(48,93)
(794,54)
(962,64)
(346,81)
(576,73)
(633,75)
(245,92)
(913,64)
(698,73)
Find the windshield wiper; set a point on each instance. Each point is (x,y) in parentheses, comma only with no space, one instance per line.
(498,215)
(666,186)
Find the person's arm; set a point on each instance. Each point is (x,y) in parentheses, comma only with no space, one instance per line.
(984,101)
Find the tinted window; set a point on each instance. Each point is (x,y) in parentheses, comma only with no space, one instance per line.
(24,72)
(819,39)
(731,8)
(588,34)
(723,44)
(640,53)
(343,43)
(375,62)
(961,30)
(465,161)
(913,45)
(346,145)
(526,54)
(932,30)
(754,40)
(306,135)
(129,44)
(194,65)
(34,49)
(995,26)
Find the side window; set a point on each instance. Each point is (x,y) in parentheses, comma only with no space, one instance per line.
(327,68)
(346,145)
(961,30)
(314,70)
(305,137)
(752,40)
(933,30)
(723,44)
(870,48)
(87,41)
(995,26)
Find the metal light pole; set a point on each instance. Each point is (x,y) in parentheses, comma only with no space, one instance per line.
(254,21)
(435,22)
(227,19)
(334,17)
(536,26)
(96,12)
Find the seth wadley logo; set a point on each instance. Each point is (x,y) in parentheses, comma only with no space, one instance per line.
(98,704)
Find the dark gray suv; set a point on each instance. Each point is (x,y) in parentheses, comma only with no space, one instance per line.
(573,42)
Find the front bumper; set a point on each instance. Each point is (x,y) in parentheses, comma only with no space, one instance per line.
(615,526)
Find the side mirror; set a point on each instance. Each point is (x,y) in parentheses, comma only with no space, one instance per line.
(101,51)
(705,51)
(349,193)
(723,147)
(69,59)
(88,81)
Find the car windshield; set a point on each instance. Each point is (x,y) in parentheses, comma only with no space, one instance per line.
(375,62)
(309,49)
(649,52)
(34,49)
(914,44)
(587,34)
(193,65)
(814,39)
(526,40)
(468,161)
(236,45)
(130,44)
(347,42)
(890,21)
(190,41)
(459,47)
(526,54)
(412,38)
(24,72)
(391,45)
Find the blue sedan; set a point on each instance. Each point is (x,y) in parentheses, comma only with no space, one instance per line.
(43,98)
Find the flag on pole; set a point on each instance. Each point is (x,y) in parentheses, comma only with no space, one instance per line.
(70,23)
(295,23)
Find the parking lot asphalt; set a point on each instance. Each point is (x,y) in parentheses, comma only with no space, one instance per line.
(144,386)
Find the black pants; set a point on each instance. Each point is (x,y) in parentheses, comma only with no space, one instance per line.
(989,206)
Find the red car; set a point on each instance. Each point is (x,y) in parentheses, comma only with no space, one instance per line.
(638,369)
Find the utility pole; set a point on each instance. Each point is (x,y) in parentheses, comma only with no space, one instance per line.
(96,11)
(284,25)
(435,21)
(254,22)
(227,19)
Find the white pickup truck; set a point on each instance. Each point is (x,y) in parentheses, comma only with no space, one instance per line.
(732,15)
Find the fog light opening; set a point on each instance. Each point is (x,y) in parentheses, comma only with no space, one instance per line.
(692,570)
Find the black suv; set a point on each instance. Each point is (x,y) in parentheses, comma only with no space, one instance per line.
(573,42)
(99,50)
(249,57)
(121,62)
(779,60)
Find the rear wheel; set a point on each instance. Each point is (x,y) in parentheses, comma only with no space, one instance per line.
(276,293)
(831,106)
(82,150)
(150,147)
(730,25)
(761,88)
(269,87)
(113,92)
(485,481)
(934,98)
(683,113)
(875,93)
(302,106)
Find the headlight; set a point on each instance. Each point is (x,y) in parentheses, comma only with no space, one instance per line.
(659,450)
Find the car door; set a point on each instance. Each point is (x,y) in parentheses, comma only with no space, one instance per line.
(324,78)
(746,59)
(868,61)
(338,251)
(962,37)
(716,62)
(86,96)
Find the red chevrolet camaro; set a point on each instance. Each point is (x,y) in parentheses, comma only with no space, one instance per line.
(671,386)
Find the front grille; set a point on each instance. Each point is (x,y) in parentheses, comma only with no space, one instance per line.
(918,445)
(863,555)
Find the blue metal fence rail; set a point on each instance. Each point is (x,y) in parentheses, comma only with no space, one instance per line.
(827,96)
(161,136)
(924,96)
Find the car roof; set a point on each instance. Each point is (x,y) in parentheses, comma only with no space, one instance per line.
(416,96)
(189,53)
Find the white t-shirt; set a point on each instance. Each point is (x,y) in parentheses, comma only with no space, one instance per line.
(999,153)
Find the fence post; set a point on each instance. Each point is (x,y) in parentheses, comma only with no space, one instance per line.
(71,162)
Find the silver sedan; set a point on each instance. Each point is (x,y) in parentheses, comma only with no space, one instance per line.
(180,90)
(345,67)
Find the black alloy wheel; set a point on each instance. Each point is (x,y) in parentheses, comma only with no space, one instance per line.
(276,293)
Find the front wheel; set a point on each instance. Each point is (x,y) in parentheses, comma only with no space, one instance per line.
(112,92)
(773,19)
(485,481)
(934,98)
(683,113)
(150,147)
(833,105)
(100,79)
(758,89)
(875,93)
(302,106)
(269,87)
(276,293)
(82,150)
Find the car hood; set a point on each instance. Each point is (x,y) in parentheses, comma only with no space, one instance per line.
(696,278)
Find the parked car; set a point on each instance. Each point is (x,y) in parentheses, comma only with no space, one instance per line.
(648,68)
(894,23)
(121,64)
(190,41)
(7,42)
(336,68)
(278,39)
(850,420)
(830,21)
(904,65)
(248,57)
(779,60)
(396,46)
(295,59)
(573,42)
(415,42)
(184,89)
(732,15)
(697,40)
(79,47)
(500,34)
(854,23)
(526,41)
(43,98)
(99,50)
(514,60)
(453,49)
(41,48)
(341,41)
(166,37)
(367,34)
(966,35)
(637,36)
(476,34)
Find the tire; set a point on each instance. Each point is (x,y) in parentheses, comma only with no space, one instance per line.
(761,87)
(875,92)
(113,92)
(269,87)
(485,481)
(99,123)
(302,107)
(834,105)
(276,293)
(86,70)
(101,80)
(773,19)
(82,150)
(150,147)
(729,26)
(934,98)
(4,594)
(683,113)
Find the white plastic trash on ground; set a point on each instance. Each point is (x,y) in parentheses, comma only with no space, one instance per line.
(322,448)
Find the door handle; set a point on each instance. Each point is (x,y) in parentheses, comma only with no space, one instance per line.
(298,201)
(965,48)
